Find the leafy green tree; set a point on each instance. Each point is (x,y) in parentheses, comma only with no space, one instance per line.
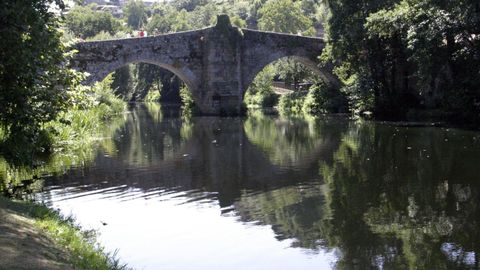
(254,15)
(84,22)
(162,22)
(33,76)
(135,13)
(438,38)
(189,5)
(204,16)
(292,72)
(324,98)
(283,16)
(182,21)
(407,54)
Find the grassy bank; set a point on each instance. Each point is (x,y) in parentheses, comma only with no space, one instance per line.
(80,247)
(70,140)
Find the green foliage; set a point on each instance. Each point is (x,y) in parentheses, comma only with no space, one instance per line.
(33,77)
(293,72)
(170,17)
(324,98)
(292,104)
(439,39)
(284,16)
(408,55)
(105,97)
(85,118)
(154,109)
(154,94)
(260,93)
(135,13)
(162,23)
(360,93)
(107,36)
(189,5)
(84,22)
(188,103)
(238,22)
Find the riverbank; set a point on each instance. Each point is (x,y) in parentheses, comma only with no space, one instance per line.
(33,236)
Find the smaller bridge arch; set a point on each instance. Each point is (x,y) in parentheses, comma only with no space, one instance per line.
(265,48)
(217,63)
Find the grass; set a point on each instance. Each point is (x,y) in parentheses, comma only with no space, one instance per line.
(81,246)
(72,138)
(84,122)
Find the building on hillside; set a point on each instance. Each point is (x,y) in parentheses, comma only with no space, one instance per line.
(116,11)
(102,2)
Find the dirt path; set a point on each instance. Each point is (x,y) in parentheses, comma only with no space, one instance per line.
(23,246)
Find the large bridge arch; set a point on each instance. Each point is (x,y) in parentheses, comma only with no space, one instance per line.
(217,63)
(102,71)
(264,48)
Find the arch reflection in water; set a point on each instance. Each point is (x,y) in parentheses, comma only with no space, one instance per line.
(351,195)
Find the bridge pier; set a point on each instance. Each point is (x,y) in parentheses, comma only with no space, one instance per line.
(222,80)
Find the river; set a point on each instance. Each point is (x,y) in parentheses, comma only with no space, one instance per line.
(266,192)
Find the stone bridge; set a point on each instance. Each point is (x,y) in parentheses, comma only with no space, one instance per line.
(216,63)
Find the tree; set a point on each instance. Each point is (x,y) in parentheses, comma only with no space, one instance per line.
(84,22)
(439,39)
(182,22)
(408,55)
(161,24)
(33,76)
(136,14)
(292,72)
(189,5)
(283,16)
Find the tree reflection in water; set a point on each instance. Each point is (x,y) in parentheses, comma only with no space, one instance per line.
(390,197)
(397,196)
(381,196)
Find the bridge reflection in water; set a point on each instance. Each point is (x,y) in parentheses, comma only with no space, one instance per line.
(267,192)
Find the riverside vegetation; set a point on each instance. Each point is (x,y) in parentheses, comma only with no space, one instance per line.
(48,122)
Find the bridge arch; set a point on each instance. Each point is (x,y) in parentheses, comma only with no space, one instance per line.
(323,72)
(179,53)
(264,48)
(103,71)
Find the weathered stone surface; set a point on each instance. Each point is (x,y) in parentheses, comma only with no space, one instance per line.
(217,63)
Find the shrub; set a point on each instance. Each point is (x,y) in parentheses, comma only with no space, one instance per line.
(323,98)
(291,103)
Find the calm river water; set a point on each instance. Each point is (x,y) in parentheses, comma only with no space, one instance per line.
(266,192)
